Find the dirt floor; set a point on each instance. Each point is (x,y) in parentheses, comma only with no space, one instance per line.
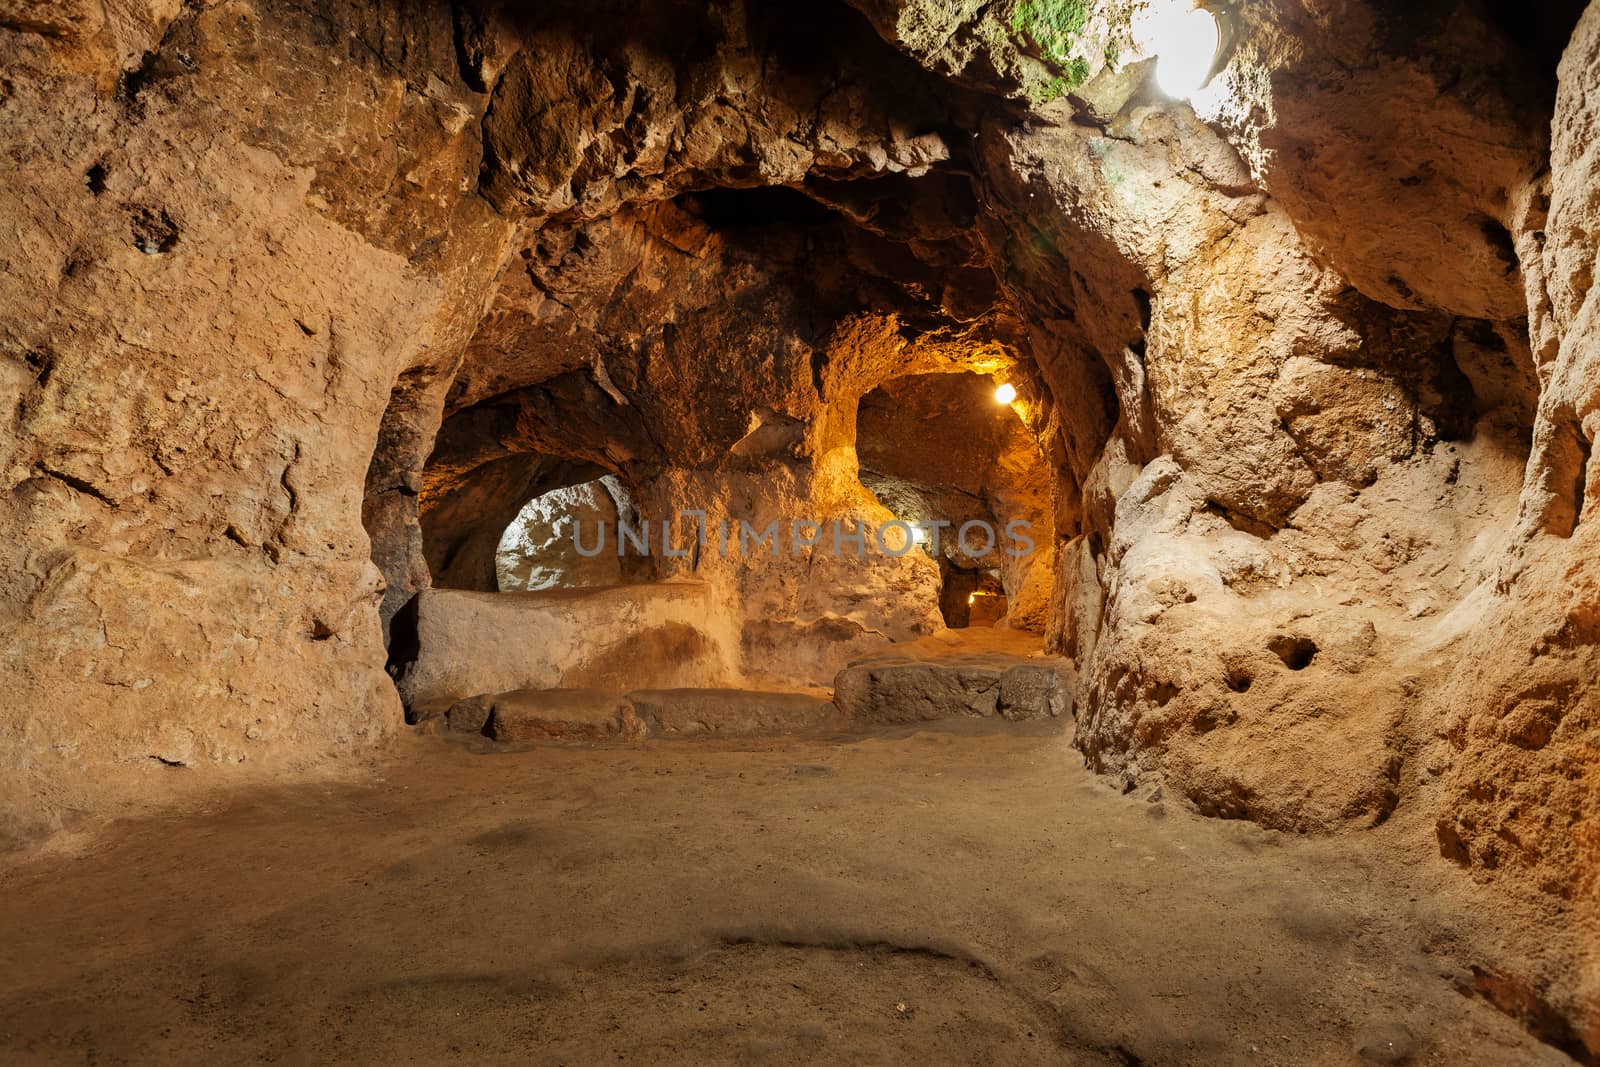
(917,897)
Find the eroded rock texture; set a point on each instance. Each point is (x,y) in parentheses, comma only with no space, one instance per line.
(306,301)
(232,228)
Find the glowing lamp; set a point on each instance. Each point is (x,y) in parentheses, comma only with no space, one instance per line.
(1184,39)
(1005,394)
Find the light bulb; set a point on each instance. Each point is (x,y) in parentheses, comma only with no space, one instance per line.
(1184,40)
(1005,394)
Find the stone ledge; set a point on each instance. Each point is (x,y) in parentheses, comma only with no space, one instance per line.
(656,635)
(605,715)
(980,674)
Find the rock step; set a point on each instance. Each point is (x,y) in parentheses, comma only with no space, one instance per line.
(888,693)
(548,715)
(732,712)
(867,696)
(960,675)
(602,715)
(982,674)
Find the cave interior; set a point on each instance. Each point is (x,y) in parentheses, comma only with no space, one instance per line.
(621,498)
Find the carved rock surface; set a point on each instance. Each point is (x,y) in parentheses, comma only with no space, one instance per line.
(562,715)
(230,234)
(981,676)
(658,634)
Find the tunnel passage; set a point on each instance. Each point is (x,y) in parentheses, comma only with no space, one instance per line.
(947,449)
(709,353)
(570,538)
(464,526)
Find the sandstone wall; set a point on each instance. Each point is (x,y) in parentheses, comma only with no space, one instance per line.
(1522,711)
(231,227)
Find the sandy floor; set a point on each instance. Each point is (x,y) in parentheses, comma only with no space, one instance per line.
(934,897)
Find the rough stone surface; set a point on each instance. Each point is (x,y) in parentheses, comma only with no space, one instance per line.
(669,713)
(976,674)
(658,634)
(1316,95)
(470,716)
(230,231)
(562,715)
(1521,717)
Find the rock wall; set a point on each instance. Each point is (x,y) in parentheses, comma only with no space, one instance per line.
(1522,711)
(231,227)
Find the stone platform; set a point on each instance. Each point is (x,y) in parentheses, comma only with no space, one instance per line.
(600,715)
(979,672)
(958,674)
(620,638)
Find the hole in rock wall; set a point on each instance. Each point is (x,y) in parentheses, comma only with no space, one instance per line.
(489,462)
(1295,652)
(572,538)
(1500,243)
(970,598)
(468,520)
(154,231)
(1541,30)
(737,209)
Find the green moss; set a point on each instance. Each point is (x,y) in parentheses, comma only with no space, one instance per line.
(1052,25)
(1120,17)
(1077,73)
(1054,29)
(1053,89)
(1045,20)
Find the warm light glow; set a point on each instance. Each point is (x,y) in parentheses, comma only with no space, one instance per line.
(1184,40)
(1005,394)
(972,598)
